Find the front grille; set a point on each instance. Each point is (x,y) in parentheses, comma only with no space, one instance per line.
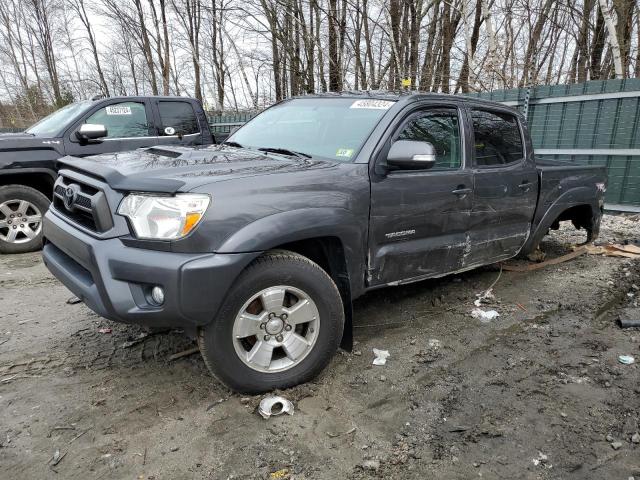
(83,204)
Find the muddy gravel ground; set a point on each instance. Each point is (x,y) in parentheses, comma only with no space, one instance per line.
(536,393)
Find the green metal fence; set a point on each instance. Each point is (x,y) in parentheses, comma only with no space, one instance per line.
(222,124)
(592,123)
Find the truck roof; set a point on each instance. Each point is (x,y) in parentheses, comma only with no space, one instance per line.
(130,97)
(402,96)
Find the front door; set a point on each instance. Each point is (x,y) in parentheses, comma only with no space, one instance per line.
(419,219)
(505,187)
(129,126)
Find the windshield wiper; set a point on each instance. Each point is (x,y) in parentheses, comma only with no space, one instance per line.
(285,151)
(232,144)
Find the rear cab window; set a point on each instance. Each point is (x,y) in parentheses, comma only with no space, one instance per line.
(497,137)
(123,120)
(177,118)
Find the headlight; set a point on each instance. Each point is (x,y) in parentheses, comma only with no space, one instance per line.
(164,218)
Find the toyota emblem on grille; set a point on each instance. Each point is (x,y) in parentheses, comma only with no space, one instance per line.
(70,195)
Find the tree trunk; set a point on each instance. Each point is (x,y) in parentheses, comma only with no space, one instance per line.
(613,39)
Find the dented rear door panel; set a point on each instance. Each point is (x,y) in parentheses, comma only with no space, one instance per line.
(503,207)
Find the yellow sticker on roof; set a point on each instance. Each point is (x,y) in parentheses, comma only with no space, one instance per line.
(344,152)
(372,104)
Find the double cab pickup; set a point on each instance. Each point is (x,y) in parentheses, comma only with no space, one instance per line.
(259,245)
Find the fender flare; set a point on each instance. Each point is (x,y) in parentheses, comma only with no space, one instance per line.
(575,197)
(20,171)
(303,224)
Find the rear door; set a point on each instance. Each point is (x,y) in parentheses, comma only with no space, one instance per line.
(129,126)
(505,186)
(177,122)
(419,219)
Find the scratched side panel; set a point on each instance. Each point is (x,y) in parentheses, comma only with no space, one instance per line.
(418,226)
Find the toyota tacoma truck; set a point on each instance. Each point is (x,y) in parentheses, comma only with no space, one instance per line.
(259,245)
(102,125)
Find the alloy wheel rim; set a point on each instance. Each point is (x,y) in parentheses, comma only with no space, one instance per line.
(20,221)
(276,329)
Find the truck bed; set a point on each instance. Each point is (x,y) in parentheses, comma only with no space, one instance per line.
(564,185)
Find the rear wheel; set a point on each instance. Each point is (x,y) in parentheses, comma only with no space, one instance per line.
(21,211)
(279,325)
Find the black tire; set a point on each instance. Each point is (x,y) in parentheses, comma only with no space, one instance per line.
(11,193)
(216,340)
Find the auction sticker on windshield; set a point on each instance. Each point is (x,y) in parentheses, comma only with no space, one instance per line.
(118,110)
(373,104)
(344,152)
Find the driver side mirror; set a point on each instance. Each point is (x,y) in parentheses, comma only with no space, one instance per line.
(411,155)
(90,131)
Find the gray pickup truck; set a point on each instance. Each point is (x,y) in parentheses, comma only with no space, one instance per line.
(258,246)
(28,166)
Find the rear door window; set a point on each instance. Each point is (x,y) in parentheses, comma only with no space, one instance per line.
(123,120)
(497,138)
(177,118)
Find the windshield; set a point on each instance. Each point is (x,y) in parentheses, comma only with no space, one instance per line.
(332,128)
(52,124)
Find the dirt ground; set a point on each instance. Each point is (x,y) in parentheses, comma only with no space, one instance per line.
(537,393)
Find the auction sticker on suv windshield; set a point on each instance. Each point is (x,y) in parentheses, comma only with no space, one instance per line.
(344,152)
(374,104)
(118,110)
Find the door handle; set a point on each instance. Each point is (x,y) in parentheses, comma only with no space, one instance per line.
(526,186)
(461,191)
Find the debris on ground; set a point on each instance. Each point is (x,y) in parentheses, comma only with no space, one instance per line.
(275,405)
(279,474)
(381,356)
(537,255)
(486,297)
(335,435)
(626,359)
(484,316)
(554,261)
(614,250)
(185,353)
(104,330)
(434,343)
(541,459)
(629,323)
(136,340)
(73,300)
(57,458)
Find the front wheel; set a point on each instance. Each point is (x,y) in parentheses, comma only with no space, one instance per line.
(21,211)
(279,325)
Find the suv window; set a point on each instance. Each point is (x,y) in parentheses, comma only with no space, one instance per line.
(440,127)
(123,120)
(177,118)
(497,138)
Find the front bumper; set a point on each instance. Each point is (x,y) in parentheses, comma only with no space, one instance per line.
(115,281)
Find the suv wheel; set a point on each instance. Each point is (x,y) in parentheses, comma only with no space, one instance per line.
(21,211)
(279,326)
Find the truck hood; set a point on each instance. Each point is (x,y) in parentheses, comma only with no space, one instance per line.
(171,169)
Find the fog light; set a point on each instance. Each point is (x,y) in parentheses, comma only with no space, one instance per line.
(157,295)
